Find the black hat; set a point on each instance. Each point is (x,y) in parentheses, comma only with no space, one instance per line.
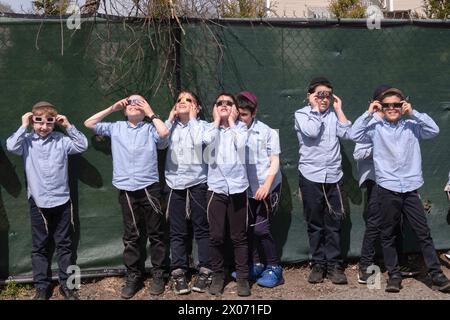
(382,90)
(317,82)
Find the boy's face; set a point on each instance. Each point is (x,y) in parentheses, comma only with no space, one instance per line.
(133,111)
(184,103)
(323,100)
(224,106)
(246,116)
(392,114)
(43,125)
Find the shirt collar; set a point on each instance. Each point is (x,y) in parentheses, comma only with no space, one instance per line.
(35,136)
(254,126)
(138,125)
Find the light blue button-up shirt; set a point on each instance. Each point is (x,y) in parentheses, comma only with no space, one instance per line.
(134,152)
(320,152)
(46,163)
(184,161)
(225,156)
(364,160)
(396,149)
(262,143)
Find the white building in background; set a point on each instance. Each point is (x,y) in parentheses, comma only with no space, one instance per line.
(319,8)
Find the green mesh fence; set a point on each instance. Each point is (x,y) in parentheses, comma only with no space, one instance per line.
(87,70)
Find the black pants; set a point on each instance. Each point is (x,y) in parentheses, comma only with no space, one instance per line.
(142,218)
(323,208)
(47,224)
(232,209)
(192,200)
(261,243)
(393,205)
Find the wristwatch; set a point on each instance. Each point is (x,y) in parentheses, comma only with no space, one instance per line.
(154,116)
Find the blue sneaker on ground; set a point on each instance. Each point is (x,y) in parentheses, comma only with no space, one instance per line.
(271,277)
(254,273)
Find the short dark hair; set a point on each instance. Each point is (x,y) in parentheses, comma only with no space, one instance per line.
(245,103)
(228,95)
(197,100)
(319,81)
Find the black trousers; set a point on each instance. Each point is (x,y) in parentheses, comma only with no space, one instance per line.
(142,219)
(393,205)
(262,246)
(231,209)
(193,200)
(323,209)
(49,224)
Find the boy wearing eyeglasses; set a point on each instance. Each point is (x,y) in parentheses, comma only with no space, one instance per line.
(134,144)
(186,175)
(227,200)
(398,173)
(45,155)
(318,131)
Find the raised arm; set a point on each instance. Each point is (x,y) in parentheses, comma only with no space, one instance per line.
(96,118)
(14,142)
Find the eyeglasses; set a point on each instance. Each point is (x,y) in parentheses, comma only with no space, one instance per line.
(39,119)
(227,103)
(184,99)
(396,105)
(133,102)
(324,94)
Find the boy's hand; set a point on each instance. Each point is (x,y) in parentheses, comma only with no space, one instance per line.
(233,116)
(262,192)
(119,105)
(374,106)
(193,112)
(337,103)
(313,101)
(26,119)
(144,106)
(406,108)
(62,120)
(173,114)
(216,116)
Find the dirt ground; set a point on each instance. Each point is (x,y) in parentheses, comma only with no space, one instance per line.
(296,287)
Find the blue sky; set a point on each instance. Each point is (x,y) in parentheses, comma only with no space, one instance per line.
(17,4)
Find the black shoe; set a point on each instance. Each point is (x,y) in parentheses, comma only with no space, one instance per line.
(409,271)
(217,283)
(68,294)
(157,286)
(441,283)
(337,275)
(363,276)
(133,283)
(202,281)
(41,294)
(316,275)
(180,285)
(394,284)
(243,288)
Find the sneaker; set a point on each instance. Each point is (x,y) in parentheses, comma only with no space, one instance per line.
(254,272)
(363,276)
(68,294)
(337,275)
(41,294)
(445,259)
(271,277)
(409,270)
(441,283)
(157,286)
(180,285)
(217,283)
(316,275)
(202,281)
(394,284)
(243,288)
(133,283)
